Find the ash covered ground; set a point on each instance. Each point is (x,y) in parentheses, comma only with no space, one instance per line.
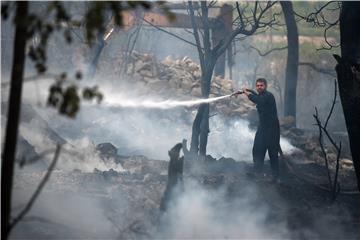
(112,169)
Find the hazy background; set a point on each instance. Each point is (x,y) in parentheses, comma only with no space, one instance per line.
(198,213)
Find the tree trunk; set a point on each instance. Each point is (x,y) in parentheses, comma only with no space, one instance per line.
(96,56)
(175,177)
(220,28)
(200,129)
(194,145)
(218,33)
(292,60)
(204,131)
(8,158)
(348,72)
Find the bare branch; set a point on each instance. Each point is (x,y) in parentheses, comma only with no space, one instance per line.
(318,123)
(326,39)
(42,220)
(301,177)
(272,23)
(332,105)
(336,185)
(334,188)
(322,128)
(255,10)
(129,50)
(212,4)
(222,45)
(24,162)
(316,68)
(170,33)
(268,52)
(37,191)
(268,6)
(240,14)
(318,19)
(196,35)
(34,78)
(199,16)
(205,20)
(313,17)
(188,31)
(330,138)
(246,36)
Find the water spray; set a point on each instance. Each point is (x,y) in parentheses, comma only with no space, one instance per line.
(167,104)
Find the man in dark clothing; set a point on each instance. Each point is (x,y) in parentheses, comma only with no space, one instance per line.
(267,136)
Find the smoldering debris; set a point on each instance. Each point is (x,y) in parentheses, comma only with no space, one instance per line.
(310,155)
(220,202)
(215,204)
(116,199)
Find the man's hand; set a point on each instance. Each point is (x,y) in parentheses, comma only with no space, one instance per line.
(237,93)
(245,91)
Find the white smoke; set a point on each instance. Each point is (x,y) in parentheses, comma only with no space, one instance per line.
(150,132)
(200,213)
(77,153)
(85,158)
(235,139)
(60,212)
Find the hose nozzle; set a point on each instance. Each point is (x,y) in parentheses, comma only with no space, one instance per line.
(237,93)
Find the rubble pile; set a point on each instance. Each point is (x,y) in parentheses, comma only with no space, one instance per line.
(310,146)
(180,79)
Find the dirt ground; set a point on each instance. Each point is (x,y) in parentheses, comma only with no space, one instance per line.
(128,202)
(300,199)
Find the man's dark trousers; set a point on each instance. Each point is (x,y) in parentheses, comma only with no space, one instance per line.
(267,139)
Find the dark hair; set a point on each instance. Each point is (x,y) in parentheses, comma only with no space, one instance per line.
(263,80)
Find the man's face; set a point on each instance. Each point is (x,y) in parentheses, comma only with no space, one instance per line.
(260,87)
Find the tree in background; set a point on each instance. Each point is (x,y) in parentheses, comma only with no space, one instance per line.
(348,66)
(291,72)
(8,158)
(247,22)
(348,72)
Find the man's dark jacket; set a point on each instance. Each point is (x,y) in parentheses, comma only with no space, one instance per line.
(267,136)
(266,107)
